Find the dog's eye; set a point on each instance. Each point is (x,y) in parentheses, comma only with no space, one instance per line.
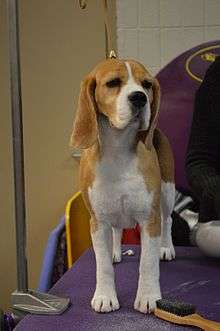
(146,84)
(114,82)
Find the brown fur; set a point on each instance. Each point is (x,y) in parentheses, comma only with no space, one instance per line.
(165,156)
(85,128)
(88,162)
(149,167)
(95,96)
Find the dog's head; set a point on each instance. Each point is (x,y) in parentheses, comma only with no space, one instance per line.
(122,90)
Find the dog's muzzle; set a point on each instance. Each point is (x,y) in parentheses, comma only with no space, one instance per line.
(137,99)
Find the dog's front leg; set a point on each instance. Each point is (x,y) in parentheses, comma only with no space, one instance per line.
(105,297)
(148,285)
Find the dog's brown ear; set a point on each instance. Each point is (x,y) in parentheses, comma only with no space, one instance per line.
(155,105)
(85,127)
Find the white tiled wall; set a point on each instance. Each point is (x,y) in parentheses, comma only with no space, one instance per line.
(156,31)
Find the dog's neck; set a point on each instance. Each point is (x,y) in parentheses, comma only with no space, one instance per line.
(117,142)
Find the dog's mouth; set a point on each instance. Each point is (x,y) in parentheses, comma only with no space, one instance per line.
(137,115)
(134,118)
(124,121)
(140,116)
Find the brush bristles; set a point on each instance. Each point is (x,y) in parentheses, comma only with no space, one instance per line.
(176,307)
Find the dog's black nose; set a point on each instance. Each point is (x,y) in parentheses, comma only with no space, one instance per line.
(138,99)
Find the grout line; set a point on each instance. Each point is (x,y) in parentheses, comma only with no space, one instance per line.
(182,22)
(204,26)
(138,14)
(127,29)
(160,34)
(138,30)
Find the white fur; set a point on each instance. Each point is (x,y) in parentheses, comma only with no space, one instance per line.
(148,285)
(167,251)
(123,109)
(119,195)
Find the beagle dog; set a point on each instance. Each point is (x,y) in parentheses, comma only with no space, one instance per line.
(126,175)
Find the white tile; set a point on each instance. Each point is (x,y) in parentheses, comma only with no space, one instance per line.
(212,12)
(127,13)
(172,44)
(212,33)
(192,37)
(128,43)
(193,12)
(149,47)
(170,13)
(149,13)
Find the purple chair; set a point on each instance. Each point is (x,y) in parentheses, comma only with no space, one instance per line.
(48,272)
(192,277)
(179,81)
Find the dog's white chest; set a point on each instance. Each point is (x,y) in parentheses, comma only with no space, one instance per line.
(119,195)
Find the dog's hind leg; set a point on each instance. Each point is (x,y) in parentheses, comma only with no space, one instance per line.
(167,251)
(116,254)
(166,161)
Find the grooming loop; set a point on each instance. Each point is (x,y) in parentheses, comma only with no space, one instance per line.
(82,4)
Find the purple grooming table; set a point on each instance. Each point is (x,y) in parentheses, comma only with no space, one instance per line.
(191,277)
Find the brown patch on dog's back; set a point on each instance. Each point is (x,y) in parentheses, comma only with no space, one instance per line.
(165,156)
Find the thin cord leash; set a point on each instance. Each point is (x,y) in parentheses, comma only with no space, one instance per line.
(110,52)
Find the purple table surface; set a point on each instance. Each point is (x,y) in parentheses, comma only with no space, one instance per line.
(191,277)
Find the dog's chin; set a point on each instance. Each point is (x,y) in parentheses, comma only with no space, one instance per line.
(120,124)
(139,120)
(135,120)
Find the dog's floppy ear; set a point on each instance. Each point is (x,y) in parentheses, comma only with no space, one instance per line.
(85,127)
(155,105)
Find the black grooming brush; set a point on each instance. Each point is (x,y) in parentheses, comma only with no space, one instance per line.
(179,312)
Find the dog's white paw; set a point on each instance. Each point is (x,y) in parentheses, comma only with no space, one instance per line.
(116,256)
(105,302)
(167,253)
(146,303)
